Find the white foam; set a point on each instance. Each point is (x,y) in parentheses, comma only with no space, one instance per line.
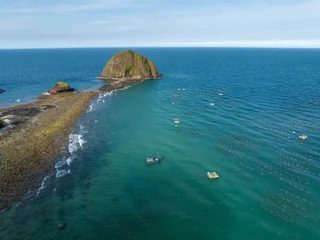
(69,160)
(75,141)
(61,173)
(81,141)
(61,163)
(108,94)
(90,108)
(43,184)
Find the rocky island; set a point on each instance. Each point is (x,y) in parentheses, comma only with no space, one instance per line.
(129,65)
(127,68)
(60,87)
(36,133)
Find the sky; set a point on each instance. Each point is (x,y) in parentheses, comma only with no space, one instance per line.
(159,23)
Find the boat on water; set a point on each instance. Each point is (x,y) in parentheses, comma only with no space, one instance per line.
(303,137)
(152,160)
(212,175)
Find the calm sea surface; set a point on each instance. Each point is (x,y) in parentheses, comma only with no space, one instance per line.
(269,185)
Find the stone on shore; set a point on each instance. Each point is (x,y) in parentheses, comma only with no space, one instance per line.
(2,90)
(60,87)
(129,65)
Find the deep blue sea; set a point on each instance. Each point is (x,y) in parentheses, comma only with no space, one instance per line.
(241,114)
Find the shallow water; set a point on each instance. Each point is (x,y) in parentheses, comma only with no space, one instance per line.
(269,178)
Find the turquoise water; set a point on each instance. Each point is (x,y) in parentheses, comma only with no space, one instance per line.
(269,178)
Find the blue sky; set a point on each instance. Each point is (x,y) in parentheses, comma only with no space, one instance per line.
(130,23)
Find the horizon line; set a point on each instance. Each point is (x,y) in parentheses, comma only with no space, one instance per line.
(173,46)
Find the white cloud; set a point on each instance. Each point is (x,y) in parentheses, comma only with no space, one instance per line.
(67,8)
(103,23)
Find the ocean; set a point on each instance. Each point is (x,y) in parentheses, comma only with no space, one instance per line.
(241,113)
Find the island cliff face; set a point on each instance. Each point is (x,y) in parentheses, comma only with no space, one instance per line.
(129,65)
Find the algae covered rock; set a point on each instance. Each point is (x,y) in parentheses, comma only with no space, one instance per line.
(60,87)
(2,123)
(129,65)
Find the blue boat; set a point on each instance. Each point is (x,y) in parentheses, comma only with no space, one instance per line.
(152,160)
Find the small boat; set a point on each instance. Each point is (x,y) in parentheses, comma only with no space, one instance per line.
(220,94)
(212,175)
(303,137)
(152,160)
(176,120)
(211,104)
(179,89)
(183,89)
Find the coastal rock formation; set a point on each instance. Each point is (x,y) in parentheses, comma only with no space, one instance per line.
(129,65)
(2,90)
(60,87)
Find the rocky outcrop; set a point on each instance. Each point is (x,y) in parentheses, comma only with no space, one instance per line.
(2,90)
(129,65)
(60,87)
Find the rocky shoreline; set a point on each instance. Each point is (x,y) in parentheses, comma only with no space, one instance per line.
(35,138)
